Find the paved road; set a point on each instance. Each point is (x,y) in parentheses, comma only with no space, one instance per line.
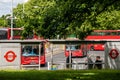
(57,58)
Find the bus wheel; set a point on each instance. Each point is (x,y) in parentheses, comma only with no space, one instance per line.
(92,48)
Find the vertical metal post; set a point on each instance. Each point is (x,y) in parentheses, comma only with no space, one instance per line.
(48,65)
(39,54)
(52,56)
(70,55)
(11,20)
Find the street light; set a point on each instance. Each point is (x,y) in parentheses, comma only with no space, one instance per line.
(11,20)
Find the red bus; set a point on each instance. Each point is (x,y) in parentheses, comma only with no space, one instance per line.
(32,54)
(77,50)
(102,35)
(33,50)
(5,33)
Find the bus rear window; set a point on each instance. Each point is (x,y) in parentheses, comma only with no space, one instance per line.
(72,47)
(32,50)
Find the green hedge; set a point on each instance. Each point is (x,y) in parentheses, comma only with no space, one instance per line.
(60,75)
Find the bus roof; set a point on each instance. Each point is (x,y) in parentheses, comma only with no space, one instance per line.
(106,30)
(10,28)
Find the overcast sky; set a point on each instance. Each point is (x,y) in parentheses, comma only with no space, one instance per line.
(5,5)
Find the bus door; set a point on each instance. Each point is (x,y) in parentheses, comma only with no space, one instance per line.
(33,54)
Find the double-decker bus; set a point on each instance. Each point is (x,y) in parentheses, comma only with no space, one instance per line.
(102,35)
(33,54)
(5,33)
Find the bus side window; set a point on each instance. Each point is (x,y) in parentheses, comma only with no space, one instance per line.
(3,34)
(102,33)
(113,33)
(93,33)
(107,33)
(118,33)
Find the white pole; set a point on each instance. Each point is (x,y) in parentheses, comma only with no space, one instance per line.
(52,56)
(11,20)
(39,54)
(48,65)
(70,57)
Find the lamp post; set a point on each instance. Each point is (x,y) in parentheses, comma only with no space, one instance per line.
(11,20)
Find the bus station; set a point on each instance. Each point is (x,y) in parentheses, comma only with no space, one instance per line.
(13,55)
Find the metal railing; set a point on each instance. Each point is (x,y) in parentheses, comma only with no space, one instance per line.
(75,66)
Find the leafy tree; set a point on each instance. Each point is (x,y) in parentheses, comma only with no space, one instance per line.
(50,18)
(3,21)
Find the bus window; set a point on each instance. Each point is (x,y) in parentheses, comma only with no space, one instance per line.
(72,47)
(118,33)
(114,33)
(98,33)
(17,32)
(3,34)
(32,50)
(107,33)
(102,33)
(93,33)
(29,50)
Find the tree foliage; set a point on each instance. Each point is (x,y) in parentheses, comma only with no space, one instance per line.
(50,18)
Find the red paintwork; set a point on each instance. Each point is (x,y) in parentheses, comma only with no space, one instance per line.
(76,53)
(26,60)
(32,60)
(102,37)
(8,30)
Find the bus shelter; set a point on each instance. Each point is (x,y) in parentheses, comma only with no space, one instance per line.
(12,51)
(111,55)
(80,59)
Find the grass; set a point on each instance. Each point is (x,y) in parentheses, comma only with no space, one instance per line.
(60,75)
